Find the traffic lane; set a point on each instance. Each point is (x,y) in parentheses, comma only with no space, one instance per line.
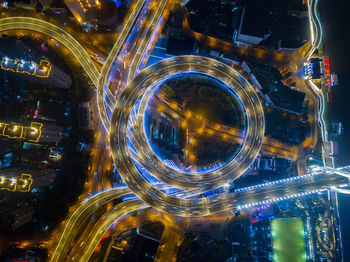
(17,23)
(81,215)
(137,9)
(322,182)
(101,227)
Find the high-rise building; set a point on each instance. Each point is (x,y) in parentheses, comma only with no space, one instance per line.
(13,218)
(24,180)
(18,131)
(36,132)
(51,133)
(85,115)
(54,77)
(58,78)
(44,73)
(82,10)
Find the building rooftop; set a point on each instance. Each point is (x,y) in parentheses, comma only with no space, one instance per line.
(285,98)
(180,46)
(255,21)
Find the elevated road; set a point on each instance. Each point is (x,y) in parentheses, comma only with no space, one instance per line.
(315,27)
(78,218)
(141,24)
(130,52)
(33,24)
(108,64)
(105,222)
(185,205)
(144,85)
(149,38)
(239,199)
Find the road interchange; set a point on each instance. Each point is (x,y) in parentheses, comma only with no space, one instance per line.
(100,80)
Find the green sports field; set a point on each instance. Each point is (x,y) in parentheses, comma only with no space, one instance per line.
(288,240)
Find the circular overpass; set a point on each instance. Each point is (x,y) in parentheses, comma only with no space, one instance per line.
(189,200)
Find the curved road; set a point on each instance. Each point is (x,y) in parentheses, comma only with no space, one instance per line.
(81,215)
(108,64)
(33,24)
(148,79)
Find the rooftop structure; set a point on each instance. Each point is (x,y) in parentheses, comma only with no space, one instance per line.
(12,218)
(36,132)
(26,67)
(46,3)
(287,99)
(21,184)
(51,133)
(24,180)
(44,73)
(85,116)
(180,46)
(18,131)
(254,26)
(268,80)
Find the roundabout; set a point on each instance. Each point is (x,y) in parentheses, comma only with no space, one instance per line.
(146,174)
(189,187)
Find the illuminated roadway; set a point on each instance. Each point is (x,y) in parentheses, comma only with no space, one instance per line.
(128,55)
(80,215)
(253,109)
(242,198)
(86,210)
(315,27)
(144,85)
(33,24)
(105,222)
(111,58)
(282,192)
(66,39)
(108,64)
(176,111)
(149,38)
(181,206)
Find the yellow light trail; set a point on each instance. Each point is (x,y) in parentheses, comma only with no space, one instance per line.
(33,24)
(146,40)
(107,66)
(80,215)
(106,221)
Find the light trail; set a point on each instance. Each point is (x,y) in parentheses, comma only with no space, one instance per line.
(111,58)
(86,210)
(76,221)
(33,24)
(243,198)
(315,27)
(121,155)
(316,36)
(151,34)
(252,141)
(130,174)
(341,190)
(106,221)
(116,49)
(180,206)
